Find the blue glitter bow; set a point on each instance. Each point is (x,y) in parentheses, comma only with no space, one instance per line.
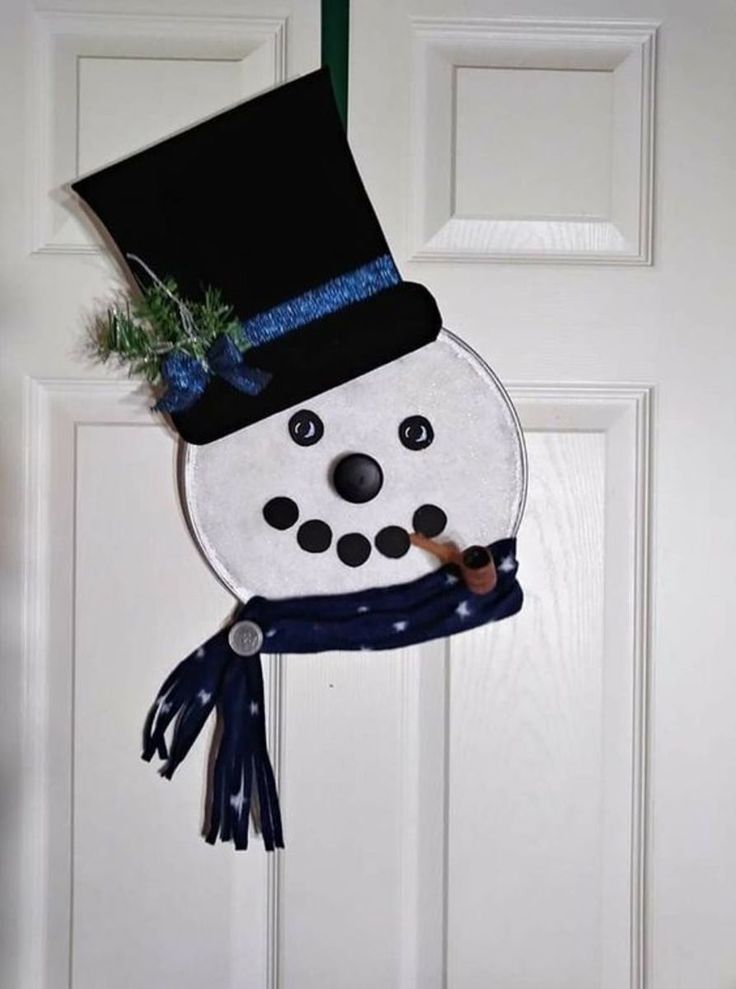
(186,377)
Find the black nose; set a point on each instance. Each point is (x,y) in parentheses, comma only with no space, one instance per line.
(357,477)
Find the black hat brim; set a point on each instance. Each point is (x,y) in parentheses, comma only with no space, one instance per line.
(315,358)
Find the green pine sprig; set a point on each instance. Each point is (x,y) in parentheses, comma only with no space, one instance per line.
(139,333)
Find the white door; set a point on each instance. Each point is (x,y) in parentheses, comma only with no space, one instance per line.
(549,803)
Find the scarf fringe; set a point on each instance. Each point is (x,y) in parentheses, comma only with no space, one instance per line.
(214,676)
(243,774)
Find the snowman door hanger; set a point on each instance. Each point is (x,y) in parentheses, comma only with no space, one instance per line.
(354,473)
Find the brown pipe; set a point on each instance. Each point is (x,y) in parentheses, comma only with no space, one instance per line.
(475,563)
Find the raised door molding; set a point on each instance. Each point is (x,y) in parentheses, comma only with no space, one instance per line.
(92,103)
(481,107)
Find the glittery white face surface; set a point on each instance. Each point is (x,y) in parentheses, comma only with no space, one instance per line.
(473,471)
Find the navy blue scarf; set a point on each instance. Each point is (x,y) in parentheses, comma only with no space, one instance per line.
(214,675)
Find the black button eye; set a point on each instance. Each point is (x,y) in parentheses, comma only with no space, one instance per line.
(306,428)
(416,433)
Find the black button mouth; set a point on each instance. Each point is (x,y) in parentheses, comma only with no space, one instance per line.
(281,513)
(354,549)
(314,536)
(429,521)
(393,542)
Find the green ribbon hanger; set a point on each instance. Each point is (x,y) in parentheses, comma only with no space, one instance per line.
(335,47)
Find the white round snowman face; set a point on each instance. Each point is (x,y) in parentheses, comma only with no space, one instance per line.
(322,498)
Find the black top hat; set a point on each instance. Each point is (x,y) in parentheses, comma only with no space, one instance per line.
(264,202)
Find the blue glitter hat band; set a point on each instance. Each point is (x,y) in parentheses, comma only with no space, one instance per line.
(338,293)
